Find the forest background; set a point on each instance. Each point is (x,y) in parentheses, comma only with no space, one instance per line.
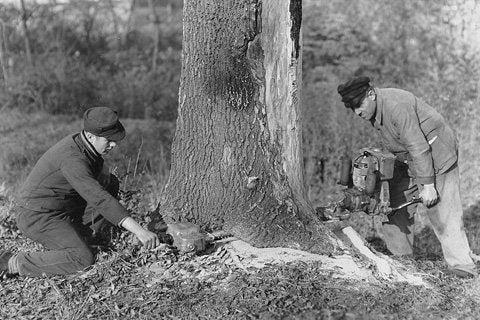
(61,57)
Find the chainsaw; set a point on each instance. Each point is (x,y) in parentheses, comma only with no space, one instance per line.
(189,238)
(366,178)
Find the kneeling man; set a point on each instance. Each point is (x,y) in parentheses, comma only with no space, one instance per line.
(66,198)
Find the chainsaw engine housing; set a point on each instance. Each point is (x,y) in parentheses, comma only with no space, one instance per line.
(366,176)
(187,237)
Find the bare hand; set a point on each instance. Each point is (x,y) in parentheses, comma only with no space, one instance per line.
(429,195)
(148,239)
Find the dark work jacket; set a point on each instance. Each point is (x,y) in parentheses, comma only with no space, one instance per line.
(65,179)
(409,125)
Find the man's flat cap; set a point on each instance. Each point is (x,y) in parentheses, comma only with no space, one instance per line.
(353,91)
(103,122)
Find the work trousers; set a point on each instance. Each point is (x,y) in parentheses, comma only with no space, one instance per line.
(65,234)
(446,218)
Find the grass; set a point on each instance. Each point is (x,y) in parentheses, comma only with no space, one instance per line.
(128,283)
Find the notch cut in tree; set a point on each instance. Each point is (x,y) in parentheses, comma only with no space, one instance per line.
(237,160)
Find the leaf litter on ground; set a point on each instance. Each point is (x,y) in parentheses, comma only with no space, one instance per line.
(128,282)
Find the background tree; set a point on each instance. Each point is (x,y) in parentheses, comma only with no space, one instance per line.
(28,51)
(156,23)
(79,59)
(237,156)
(3,53)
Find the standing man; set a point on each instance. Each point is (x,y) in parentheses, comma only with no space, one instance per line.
(67,193)
(426,167)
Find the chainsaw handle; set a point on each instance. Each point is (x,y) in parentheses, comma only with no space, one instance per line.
(406,204)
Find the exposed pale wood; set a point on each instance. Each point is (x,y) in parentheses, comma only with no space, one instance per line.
(386,267)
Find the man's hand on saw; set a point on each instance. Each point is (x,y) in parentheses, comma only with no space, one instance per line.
(147,238)
(429,195)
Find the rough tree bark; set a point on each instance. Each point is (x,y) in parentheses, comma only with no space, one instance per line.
(237,156)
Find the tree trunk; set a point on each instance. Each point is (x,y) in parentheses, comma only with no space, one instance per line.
(237,161)
(116,28)
(4,53)
(28,51)
(128,24)
(156,34)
